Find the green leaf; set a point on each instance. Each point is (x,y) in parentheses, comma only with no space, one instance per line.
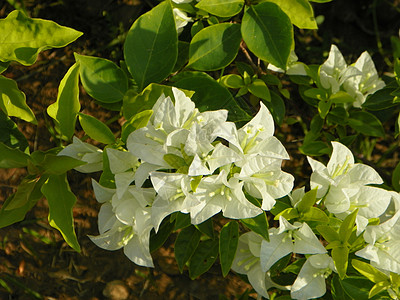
(151,46)
(315,214)
(61,201)
(221,8)
(358,288)
(96,129)
(22,38)
(300,12)
(232,81)
(182,221)
(210,95)
(12,158)
(314,148)
(324,107)
(107,178)
(396,178)
(347,226)
(207,227)
(307,201)
(185,244)
(102,79)
(288,214)
(268,33)
(259,89)
(277,107)
(228,241)
(13,101)
(258,224)
(203,258)
(379,100)
(10,135)
(369,271)
(58,165)
(214,47)
(340,258)
(328,233)
(158,239)
(183,55)
(3,66)
(337,290)
(64,110)
(137,121)
(341,97)
(134,103)
(25,195)
(366,123)
(175,161)
(378,288)
(316,93)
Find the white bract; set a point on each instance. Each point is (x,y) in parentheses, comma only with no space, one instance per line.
(341,180)
(310,282)
(296,238)
(90,154)
(247,261)
(181,17)
(383,249)
(125,222)
(364,84)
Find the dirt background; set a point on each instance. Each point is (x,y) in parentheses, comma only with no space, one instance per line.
(35,262)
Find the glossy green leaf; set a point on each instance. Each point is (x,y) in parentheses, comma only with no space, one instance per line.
(340,258)
(203,258)
(64,110)
(96,129)
(22,38)
(315,214)
(183,55)
(185,244)
(288,214)
(134,103)
(379,100)
(3,66)
(396,178)
(328,233)
(314,148)
(300,12)
(347,226)
(29,195)
(277,107)
(151,46)
(210,95)
(366,123)
(137,121)
(58,165)
(324,107)
(13,101)
(207,227)
(358,288)
(214,47)
(158,239)
(369,271)
(228,241)
(102,79)
(259,89)
(268,33)
(12,158)
(221,8)
(182,221)
(378,288)
(307,201)
(61,201)
(10,134)
(258,224)
(232,81)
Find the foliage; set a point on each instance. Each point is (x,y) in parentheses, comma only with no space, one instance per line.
(191,155)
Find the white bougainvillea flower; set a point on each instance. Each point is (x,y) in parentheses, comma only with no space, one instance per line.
(265,180)
(181,18)
(383,249)
(371,202)
(310,282)
(172,192)
(334,71)
(341,179)
(294,67)
(121,161)
(90,154)
(125,222)
(367,82)
(288,238)
(216,193)
(247,261)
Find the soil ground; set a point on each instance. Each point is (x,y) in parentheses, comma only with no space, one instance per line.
(35,262)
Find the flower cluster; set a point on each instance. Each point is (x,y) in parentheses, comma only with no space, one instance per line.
(200,164)
(359,79)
